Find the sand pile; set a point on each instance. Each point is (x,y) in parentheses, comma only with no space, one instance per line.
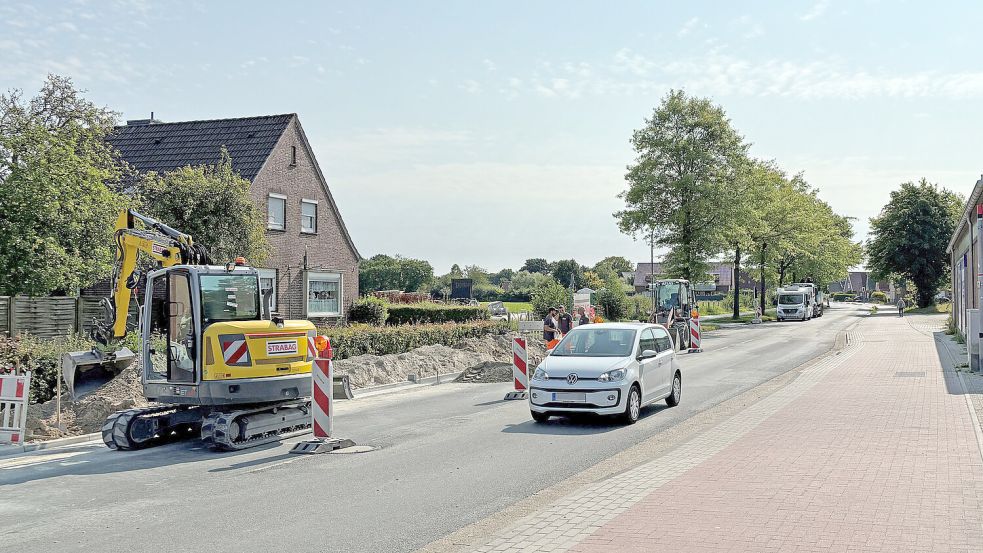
(87,414)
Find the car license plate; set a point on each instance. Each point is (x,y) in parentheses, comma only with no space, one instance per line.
(570,397)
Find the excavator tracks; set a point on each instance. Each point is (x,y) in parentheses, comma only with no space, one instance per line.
(245,428)
(140,428)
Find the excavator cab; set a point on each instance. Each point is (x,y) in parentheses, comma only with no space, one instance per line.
(675,301)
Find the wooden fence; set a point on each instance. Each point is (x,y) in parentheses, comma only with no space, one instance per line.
(50,316)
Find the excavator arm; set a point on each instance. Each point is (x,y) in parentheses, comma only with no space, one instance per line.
(135,234)
(162,243)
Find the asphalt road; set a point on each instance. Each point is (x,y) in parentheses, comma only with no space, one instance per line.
(446,456)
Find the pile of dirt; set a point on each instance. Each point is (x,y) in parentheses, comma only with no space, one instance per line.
(87,414)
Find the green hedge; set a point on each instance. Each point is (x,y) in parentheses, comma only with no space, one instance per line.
(430,313)
(369,310)
(381,340)
(42,356)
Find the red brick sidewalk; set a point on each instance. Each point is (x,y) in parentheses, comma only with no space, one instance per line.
(877,452)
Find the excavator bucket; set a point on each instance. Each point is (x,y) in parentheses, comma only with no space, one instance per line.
(84,371)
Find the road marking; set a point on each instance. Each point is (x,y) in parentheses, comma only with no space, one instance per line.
(37,460)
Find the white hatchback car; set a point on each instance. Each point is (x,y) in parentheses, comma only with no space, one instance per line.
(607,369)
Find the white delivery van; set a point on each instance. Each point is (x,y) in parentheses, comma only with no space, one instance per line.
(793,303)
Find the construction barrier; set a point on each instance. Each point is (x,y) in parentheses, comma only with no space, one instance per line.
(694,333)
(14,393)
(520,363)
(322,413)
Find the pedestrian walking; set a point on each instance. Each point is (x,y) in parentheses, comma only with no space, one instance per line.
(901,306)
(549,326)
(564,319)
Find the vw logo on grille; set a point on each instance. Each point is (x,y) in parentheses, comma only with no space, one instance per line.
(572,378)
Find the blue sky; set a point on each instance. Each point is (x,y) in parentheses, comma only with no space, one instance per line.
(487,133)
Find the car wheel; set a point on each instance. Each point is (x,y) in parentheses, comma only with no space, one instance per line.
(677,391)
(540,417)
(633,407)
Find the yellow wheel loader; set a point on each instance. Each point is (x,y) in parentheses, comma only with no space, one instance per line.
(214,357)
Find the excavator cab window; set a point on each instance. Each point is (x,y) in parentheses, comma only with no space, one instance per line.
(172,340)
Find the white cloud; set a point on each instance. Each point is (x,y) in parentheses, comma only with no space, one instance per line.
(716,73)
(688,27)
(489,64)
(748,27)
(470,86)
(816,11)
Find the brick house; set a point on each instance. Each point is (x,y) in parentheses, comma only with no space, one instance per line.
(721,274)
(313,264)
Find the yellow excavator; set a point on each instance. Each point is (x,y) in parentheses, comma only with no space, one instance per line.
(213,356)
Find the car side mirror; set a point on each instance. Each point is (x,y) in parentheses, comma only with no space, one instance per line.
(647,354)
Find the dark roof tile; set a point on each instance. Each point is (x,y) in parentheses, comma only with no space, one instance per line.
(164,147)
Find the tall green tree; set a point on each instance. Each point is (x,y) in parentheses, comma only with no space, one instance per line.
(212,204)
(568,273)
(59,194)
(687,153)
(616,263)
(536,265)
(383,272)
(549,294)
(910,235)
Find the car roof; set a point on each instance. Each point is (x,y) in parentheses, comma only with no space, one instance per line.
(618,326)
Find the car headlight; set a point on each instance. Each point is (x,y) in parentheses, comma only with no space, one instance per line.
(613,376)
(540,374)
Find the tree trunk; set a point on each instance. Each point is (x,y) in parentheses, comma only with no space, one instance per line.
(737,281)
(763,247)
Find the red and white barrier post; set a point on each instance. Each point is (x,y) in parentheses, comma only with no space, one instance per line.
(520,369)
(14,393)
(694,333)
(322,404)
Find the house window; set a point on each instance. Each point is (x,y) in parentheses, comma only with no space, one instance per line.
(277,209)
(308,216)
(267,281)
(323,294)
(293,156)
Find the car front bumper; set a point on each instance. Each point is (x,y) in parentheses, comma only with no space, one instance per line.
(601,398)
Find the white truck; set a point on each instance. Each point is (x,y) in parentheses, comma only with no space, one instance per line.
(794,303)
(816,297)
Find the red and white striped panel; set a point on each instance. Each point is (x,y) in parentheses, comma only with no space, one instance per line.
(14,393)
(235,352)
(13,388)
(311,350)
(322,372)
(694,332)
(520,364)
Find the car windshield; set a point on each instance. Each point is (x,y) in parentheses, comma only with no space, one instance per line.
(229,298)
(790,298)
(596,342)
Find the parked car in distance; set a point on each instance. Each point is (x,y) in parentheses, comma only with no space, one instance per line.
(607,369)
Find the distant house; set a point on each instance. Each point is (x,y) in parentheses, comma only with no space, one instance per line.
(862,284)
(313,266)
(721,273)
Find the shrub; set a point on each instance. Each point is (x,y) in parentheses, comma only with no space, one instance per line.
(614,303)
(382,340)
(368,310)
(879,296)
(425,313)
(41,356)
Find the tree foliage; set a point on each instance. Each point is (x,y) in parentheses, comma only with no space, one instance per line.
(536,265)
(910,236)
(613,301)
(549,294)
(615,263)
(687,153)
(568,273)
(212,204)
(383,272)
(59,197)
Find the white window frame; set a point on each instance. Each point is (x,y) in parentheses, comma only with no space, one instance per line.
(283,200)
(271,274)
(323,275)
(302,228)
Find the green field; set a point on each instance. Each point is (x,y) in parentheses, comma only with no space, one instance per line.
(514,306)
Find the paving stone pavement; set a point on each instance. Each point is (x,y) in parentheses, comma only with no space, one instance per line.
(872,449)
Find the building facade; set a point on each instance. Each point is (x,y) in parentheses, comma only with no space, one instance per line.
(721,273)
(964,262)
(313,263)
